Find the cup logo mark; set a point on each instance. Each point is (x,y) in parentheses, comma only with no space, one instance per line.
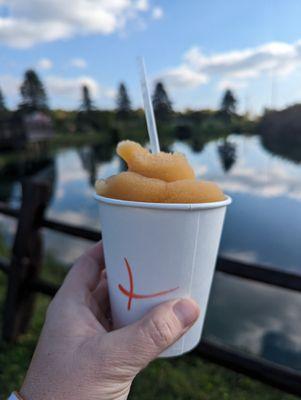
(132,295)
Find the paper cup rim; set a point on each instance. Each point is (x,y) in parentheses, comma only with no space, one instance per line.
(163,206)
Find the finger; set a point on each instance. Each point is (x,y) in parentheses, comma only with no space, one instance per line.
(85,275)
(136,345)
(100,307)
(96,253)
(101,295)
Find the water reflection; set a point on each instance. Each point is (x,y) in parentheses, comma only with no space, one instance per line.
(278,347)
(197,145)
(227,154)
(256,318)
(280,133)
(87,157)
(94,156)
(263,225)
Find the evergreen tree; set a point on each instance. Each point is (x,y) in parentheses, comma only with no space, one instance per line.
(161,102)
(123,102)
(87,103)
(2,102)
(33,93)
(228,104)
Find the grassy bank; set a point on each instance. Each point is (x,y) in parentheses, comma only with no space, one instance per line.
(184,378)
(59,141)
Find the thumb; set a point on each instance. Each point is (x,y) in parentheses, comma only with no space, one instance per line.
(144,340)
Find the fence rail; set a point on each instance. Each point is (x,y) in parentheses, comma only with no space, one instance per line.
(263,274)
(23,282)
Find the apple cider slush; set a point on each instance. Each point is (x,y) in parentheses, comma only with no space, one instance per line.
(156,178)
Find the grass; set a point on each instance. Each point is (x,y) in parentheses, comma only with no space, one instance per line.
(183,378)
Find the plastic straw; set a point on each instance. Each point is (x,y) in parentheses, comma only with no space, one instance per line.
(148,108)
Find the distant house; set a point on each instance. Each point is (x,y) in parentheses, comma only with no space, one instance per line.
(17,131)
(37,126)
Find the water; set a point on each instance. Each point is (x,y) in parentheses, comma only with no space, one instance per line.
(263,226)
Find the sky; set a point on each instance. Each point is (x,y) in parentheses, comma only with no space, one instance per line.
(198,48)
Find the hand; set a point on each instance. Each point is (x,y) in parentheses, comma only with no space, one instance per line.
(78,356)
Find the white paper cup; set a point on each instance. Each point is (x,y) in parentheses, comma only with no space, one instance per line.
(158,252)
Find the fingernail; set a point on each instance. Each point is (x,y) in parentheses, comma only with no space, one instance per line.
(186,311)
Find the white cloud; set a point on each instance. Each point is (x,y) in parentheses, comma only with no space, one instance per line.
(157,13)
(78,63)
(245,63)
(70,87)
(64,90)
(231,84)
(60,89)
(278,182)
(35,21)
(23,33)
(183,77)
(142,5)
(45,63)
(235,68)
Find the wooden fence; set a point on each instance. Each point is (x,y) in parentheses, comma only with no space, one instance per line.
(23,282)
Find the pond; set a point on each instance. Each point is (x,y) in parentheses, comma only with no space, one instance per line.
(263,226)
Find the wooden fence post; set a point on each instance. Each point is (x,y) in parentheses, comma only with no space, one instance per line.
(26,259)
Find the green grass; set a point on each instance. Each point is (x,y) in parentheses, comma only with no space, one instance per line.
(190,378)
(183,378)
(79,139)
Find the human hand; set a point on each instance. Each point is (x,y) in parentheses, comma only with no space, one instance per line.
(78,356)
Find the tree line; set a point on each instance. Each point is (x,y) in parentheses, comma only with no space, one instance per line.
(126,122)
(34,98)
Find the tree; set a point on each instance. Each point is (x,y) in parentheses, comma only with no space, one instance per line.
(123,101)
(87,119)
(161,102)
(33,93)
(228,104)
(2,102)
(87,103)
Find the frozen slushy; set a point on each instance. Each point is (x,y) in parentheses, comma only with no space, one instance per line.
(157,178)
(161,230)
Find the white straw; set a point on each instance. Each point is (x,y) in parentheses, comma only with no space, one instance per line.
(149,111)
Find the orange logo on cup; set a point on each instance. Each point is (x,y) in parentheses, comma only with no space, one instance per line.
(130,293)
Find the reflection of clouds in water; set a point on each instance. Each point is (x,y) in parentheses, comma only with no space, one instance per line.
(73,202)
(249,256)
(241,313)
(74,218)
(255,172)
(263,224)
(69,167)
(109,168)
(200,171)
(260,173)
(267,227)
(277,182)
(60,193)
(65,248)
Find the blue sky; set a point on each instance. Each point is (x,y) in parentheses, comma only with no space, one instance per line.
(197,47)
